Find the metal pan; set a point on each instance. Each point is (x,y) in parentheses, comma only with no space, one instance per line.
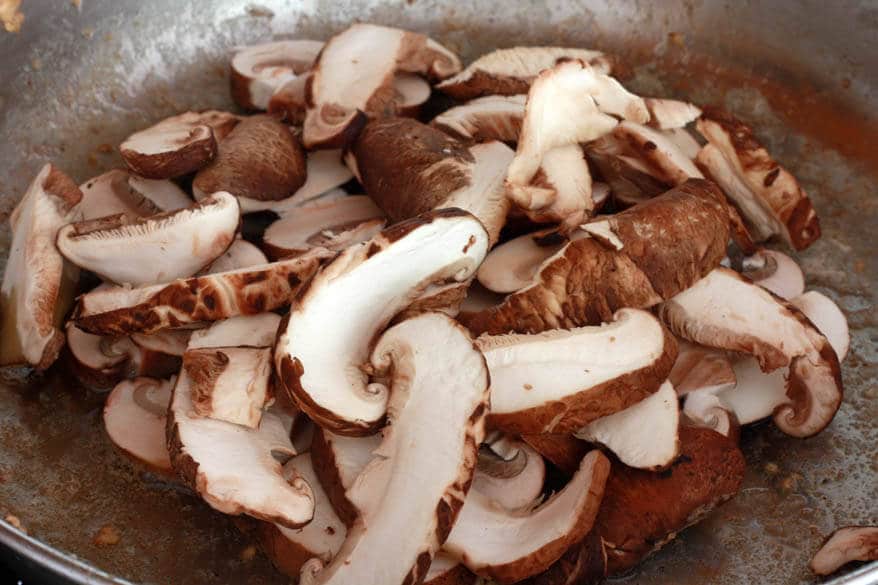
(83,74)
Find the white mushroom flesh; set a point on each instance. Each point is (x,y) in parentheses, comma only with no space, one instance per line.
(241,254)
(775,271)
(827,317)
(492,117)
(267,66)
(135,420)
(848,544)
(667,114)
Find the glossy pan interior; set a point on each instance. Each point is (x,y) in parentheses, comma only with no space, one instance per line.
(805,73)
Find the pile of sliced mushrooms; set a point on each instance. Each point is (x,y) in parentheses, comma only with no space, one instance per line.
(554,274)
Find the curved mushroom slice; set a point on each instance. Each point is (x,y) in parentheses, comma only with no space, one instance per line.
(118,191)
(513,265)
(119,310)
(666,114)
(776,272)
(334,225)
(325,172)
(828,318)
(442,246)
(413,91)
(665,160)
(339,460)
(339,98)
(409,499)
(444,570)
(699,375)
(643,435)
(515,482)
(727,311)
(508,547)
(511,71)
(493,117)
(561,380)
(96,361)
(257,330)
(409,168)
(154,249)
(563,451)
(241,254)
(258,70)
(768,197)
(642,510)
(845,545)
(667,244)
(38,285)
(175,146)
(135,417)
(261,159)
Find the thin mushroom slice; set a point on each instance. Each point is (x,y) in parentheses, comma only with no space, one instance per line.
(828,318)
(643,435)
(135,417)
(508,547)
(663,158)
(516,482)
(442,246)
(118,191)
(99,363)
(120,310)
(629,181)
(776,272)
(493,117)
(511,71)
(513,264)
(559,381)
(241,254)
(444,570)
(845,545)
(411,492)
(174,147)
(256,330)
(258,70)
(726,311)
(339,460)
(334,225)
(339,97)
(667,114)
(413,91)
(700,375)
(563,451)
(153,249)
(38,285)
(769,198)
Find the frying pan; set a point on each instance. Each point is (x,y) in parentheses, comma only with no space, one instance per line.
(804,73)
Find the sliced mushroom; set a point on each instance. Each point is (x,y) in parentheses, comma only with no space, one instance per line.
(629,181)
(118,191)
(666,114)
(563,451)
(513,264)
(664,159)
(559,381)
(683,140)
(155,249)
(135,417)
(512,480)
(769,198)
(441,246)
(667,244)
(409,168)
(338,461)
(700,375)
(584,563)
(511,71)
(339,97)
(507,547)
(411,492)
(643,435)
(289,100)
(776,272)
(258,70)
(726,311)
(257,330)
(478,298)
(413,91)
(845,545)
(642,510)
(828,318)
(38,285)
(241,254)
(334,224)
(261,159)
(493,117)
(120,310)
(445,570)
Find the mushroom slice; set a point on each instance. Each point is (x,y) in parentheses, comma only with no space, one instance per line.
(511,71)
(118,191)
(97,362)
(493,117)
(255,330)
(643,435)
(727,311)
(563,451)
(445,570)
(339,460)
(828,318)
(154,249)
(339,97)
(776,272)
(241,254)
(845,545)
(510,546)
(513,265)
(409,168)
(699,375)
(561,380)
(516,482)
(175,146)
(768,197)
(135,417)
(120,310)
(442,246)
(289,100)
(667,244)
(665,160)
(290,548)
(229,383)
(325,172)
(666,114)
(38,285)
(642,510)
(630,182)
(584,563)
(413,91)
(261,159)
(411,492)
(258,70)
(334,225)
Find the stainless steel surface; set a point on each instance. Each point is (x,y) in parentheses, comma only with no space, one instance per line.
(804,72)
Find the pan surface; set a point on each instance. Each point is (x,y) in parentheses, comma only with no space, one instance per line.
(84,74)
